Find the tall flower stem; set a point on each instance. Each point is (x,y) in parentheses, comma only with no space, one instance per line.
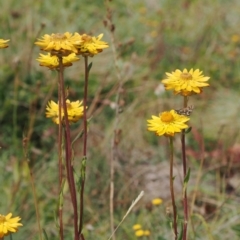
(184,160)
(85,126)
(172,189)
(68,151)
(60,165)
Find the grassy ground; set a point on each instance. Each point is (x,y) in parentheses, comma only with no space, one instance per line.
(150,38)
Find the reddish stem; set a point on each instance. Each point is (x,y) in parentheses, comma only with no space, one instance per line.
(68,149)
(184,160)
(84,144)
(60,173)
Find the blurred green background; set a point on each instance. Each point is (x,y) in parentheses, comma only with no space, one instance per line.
(150,38)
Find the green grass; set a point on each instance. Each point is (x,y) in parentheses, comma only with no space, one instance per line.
(151,38)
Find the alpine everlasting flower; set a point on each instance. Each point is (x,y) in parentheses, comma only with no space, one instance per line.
(186,82)
(137,227)
(60,43)
(74,110)
(3,43)
(52,62)
(139,233)
(167,123)
(91,46)
(8,224)
(157,201)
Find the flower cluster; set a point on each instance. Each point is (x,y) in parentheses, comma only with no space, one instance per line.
(67,46)
(185,83)
(74,111)
(8,224)
(139,232)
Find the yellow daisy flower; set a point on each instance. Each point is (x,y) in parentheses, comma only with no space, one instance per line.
(3,43)
(157,201)
(91,46)
(52,62)
(186,82)
(139,233)
(235,38)
(8,224)
(74,110)
(167,123)
(136,227)
(60,43)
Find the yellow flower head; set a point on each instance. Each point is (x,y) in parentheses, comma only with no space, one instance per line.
(3,43)
(8,224)
(167,123)
(235,38)
(91,46)
(186,82)
(74,110)
(52,62)
(139,233)
(137,227)
(60,43)
(157,201)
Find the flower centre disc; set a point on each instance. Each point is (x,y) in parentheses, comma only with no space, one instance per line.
(186,76)
(86,38)
(59,37)
(167,117)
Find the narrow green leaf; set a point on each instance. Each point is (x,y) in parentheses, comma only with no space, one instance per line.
(89,67)
(61,194)
(180,234)
(186,179)
(79,135)
(188,130)
(45,234)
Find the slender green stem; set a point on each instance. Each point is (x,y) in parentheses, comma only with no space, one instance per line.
(68,151)
(60,161)
(15,106)
(85,125)
(184,161)
(172,189)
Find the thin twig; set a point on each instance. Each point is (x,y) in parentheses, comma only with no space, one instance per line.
(116,131)
(34,191)
(199,174)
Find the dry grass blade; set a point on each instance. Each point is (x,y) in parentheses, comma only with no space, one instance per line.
(129,210)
